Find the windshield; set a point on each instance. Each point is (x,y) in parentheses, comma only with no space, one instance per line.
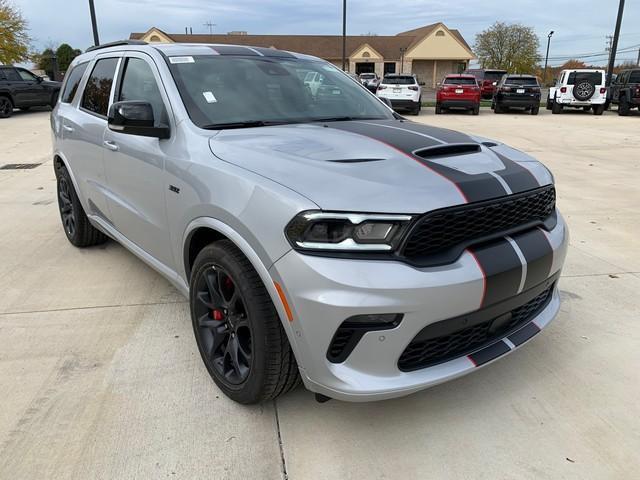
(399,80)
(529,81)
(459,81)
(231,91)
(368,75)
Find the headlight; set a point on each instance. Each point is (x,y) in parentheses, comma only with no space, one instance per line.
(359,232)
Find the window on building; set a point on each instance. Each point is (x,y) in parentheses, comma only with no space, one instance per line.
(98,89)
(389,67)
(366,55)
(155,38)
(439,33)
(72,82)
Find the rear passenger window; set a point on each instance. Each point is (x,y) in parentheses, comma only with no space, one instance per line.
(635,77)
(72,82)
(12,75)
(96,93)
(138,83)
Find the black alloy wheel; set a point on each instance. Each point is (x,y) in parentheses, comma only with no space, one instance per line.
(223,329)
(65,204)
(6,107)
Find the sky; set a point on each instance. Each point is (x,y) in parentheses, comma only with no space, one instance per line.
(578,31)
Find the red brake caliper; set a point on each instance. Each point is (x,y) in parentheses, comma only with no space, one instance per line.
(217,314)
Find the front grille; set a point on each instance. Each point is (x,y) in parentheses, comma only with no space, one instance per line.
(441,236)
(424,353)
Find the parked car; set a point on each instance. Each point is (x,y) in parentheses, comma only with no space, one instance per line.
(19,88)
(517,91)
(403,91)
(625,91)
(581,88)
(259,207)
(370,80)
(487,79)
(458,91)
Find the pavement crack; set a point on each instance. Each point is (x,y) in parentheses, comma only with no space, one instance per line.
(283,462)
(93,307)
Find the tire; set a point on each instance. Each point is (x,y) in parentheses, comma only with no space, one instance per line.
(6,107)
(623,106)
(583,91)
(549,105)
(438,109)
(476,110)
(535,110)
(497,108)
(586,109)
(231,311)
(416,111)
(556,108)
(77,227)
(598,109)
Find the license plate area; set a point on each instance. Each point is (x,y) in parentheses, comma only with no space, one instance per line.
(520,90)
(459,90)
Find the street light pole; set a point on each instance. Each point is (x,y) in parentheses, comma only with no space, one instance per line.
(96,40)
(546,59)
(344,34)
(614,46)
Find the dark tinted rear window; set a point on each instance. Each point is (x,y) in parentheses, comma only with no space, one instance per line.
(529,81)
(634,77)
(399,80)
(72,82)
(577,77)
(96,93)
(459,81)
(494,75)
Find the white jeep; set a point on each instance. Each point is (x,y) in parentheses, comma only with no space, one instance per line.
(580,88)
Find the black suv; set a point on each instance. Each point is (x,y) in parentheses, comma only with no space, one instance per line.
(625,91)
(519,91)
(19,88)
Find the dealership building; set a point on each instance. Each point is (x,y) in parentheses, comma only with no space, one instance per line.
(430,52)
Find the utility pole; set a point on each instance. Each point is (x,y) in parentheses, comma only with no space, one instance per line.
(609,39)
(638,62)
(614,46)
(210,25)
(344,35)
(546,59)
(94,25)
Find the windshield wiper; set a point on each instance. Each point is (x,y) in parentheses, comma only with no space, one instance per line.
(247,124)
(345,119)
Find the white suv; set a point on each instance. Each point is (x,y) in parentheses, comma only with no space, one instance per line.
(583,88)
(403,91)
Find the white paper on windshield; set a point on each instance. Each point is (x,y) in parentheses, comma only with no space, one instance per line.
(181,59)
(209,97)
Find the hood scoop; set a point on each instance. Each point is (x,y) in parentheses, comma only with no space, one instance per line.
(449,150)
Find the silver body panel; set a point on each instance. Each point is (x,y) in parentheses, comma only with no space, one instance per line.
(248,184)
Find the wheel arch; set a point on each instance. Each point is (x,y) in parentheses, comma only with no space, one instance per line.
(59,160)
(204,230)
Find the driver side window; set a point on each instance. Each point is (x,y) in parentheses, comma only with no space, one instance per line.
(139,84)
(26,75)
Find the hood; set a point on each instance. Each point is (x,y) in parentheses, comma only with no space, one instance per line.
(385,166)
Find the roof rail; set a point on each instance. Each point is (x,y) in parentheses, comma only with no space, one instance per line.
(116,44)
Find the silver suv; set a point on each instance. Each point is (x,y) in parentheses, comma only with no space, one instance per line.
(317,234)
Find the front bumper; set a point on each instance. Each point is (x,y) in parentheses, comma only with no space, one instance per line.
(323,292)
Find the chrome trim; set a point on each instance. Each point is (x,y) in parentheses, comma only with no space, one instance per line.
(356,218)
(346,244)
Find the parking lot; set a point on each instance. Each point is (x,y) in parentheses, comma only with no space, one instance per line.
(101,377)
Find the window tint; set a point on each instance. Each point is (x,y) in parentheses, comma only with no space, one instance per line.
(96,93)
(399,80)
(529,81)
(26,75)
(138,83)
(634,77)
(12,75)
(72,82)
(459,81)
(592,77)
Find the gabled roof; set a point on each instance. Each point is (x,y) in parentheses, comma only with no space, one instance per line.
(324,46)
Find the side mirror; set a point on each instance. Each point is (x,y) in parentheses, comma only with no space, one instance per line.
(39,79)
(135,118)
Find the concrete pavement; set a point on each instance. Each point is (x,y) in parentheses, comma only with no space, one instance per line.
(100,376)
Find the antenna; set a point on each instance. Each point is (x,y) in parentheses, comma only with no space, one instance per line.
(210,25)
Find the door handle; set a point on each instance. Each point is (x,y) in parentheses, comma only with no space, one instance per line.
(113,146)
(67,128)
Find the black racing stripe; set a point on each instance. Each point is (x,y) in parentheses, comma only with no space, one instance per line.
(539,256)
(524,334)
(442,134)
(516,176)
(475,188)
(489,353)
(502,270)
